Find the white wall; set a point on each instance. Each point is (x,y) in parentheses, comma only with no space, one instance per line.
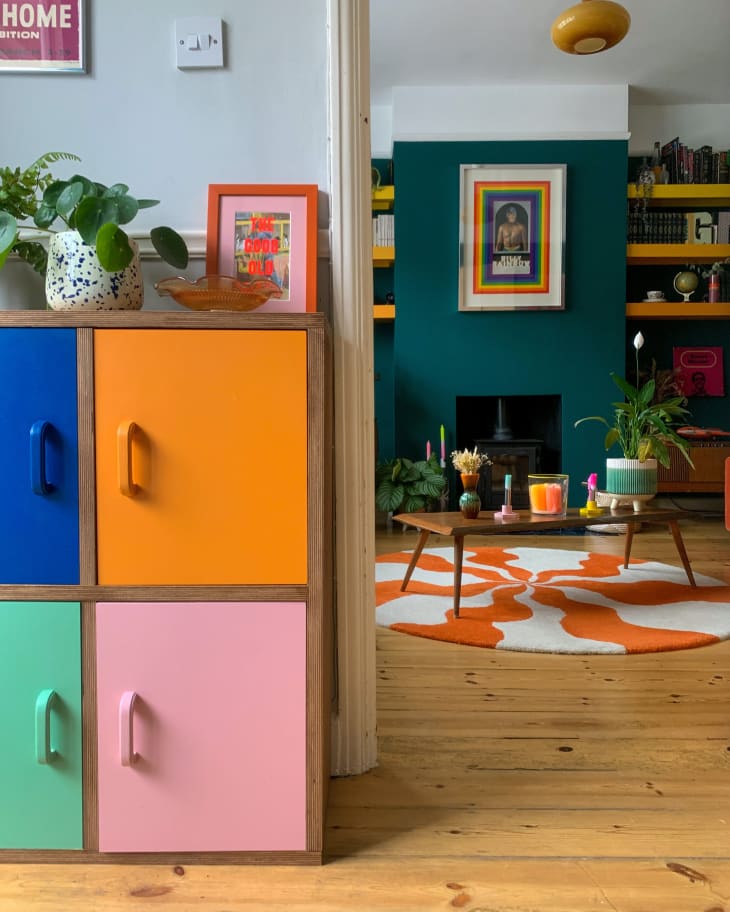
(528,112)
(168,133)
(696,125)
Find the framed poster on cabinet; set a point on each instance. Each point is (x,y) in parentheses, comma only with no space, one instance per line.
(42,37)
(266,231)
(512,237)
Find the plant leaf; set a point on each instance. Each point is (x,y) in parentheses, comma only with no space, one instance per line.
(89,218)
(113,248)
(389,496)
(68,198)
(170,246)
(8,233)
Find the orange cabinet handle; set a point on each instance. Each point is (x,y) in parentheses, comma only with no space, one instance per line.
(127,754)
(125,432)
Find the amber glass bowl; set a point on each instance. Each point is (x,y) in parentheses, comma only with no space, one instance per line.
(219,292)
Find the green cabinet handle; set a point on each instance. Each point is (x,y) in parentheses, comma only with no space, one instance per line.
(45,701)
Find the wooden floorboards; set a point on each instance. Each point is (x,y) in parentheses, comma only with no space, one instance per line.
(506,782)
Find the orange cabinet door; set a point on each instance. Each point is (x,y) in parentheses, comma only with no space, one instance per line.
(201,456)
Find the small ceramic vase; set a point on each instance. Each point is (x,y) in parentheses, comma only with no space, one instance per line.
(470,502)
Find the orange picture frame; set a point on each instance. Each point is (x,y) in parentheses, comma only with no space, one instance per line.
(266,231)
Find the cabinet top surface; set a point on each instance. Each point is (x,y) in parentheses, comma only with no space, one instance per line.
(161,320)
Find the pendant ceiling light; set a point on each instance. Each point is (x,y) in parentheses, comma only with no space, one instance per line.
(590,26)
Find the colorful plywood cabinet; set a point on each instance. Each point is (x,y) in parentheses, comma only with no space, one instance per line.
(201,726)
(201,456)
(39,526)
(40,720)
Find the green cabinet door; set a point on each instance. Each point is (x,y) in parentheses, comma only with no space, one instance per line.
(40,721)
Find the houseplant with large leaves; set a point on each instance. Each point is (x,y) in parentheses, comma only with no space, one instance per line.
(406,486)
(81,217)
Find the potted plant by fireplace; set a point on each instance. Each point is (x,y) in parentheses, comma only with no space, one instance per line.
(642,426)
(90,262)
(405,485)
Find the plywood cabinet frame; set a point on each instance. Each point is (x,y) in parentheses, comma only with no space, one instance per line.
(317,593)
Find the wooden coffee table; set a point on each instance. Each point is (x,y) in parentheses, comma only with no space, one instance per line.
(455,525)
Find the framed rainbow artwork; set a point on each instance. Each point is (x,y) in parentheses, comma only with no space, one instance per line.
(512,237)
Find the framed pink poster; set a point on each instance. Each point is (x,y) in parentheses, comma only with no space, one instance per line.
(701,370)
(266,231)
(42,37)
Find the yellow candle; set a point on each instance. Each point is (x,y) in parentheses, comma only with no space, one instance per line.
(538,495)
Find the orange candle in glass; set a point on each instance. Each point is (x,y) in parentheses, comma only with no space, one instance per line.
(548,493)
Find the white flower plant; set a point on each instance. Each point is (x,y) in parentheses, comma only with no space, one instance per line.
(468,462)
(641,427)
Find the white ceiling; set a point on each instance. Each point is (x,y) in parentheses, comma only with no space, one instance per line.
(676,52)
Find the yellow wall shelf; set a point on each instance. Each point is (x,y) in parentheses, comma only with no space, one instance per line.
(384,257)
(638,254)
(384,312)
(683,194)
(678,310)
(383,197)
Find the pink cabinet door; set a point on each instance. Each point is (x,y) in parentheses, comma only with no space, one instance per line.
(201,726)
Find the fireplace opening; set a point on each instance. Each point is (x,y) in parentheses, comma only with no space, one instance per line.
(521,435)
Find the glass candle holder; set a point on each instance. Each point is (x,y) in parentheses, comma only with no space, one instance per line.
(548,494)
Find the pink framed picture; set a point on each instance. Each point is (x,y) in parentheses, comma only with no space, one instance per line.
(267,231)
(701,370)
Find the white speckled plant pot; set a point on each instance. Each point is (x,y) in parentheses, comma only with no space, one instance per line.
(75,280)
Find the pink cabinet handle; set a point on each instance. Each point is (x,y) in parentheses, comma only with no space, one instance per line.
(45,700)
(125,432)
(127,753)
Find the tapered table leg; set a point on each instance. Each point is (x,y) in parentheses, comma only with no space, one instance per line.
(422,539)
(627,544)
(677,536)
(458,559)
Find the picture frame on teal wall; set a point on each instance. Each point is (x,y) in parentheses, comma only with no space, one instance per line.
(512,237)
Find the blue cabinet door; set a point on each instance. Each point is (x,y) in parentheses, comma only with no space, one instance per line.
(39,520)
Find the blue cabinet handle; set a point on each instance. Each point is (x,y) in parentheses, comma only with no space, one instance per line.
(38,437)
(46,699)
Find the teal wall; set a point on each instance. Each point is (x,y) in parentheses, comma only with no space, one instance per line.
(384,390)
(440,353)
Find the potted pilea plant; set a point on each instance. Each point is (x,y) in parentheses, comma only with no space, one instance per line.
(642,426)
(91,262)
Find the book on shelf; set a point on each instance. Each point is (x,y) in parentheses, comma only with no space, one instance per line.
(702,165)
(383,230)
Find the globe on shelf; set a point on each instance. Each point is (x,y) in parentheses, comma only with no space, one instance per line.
(685,283)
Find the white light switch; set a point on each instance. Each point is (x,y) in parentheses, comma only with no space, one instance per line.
(198,42)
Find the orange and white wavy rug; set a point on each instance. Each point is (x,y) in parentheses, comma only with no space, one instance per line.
(548,600)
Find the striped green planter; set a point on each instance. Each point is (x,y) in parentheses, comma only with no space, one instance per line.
(631,476)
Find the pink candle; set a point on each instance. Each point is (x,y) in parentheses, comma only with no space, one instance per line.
(443,444)
(428,450)
(554,497)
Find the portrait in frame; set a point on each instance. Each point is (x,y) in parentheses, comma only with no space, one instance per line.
(512,237)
